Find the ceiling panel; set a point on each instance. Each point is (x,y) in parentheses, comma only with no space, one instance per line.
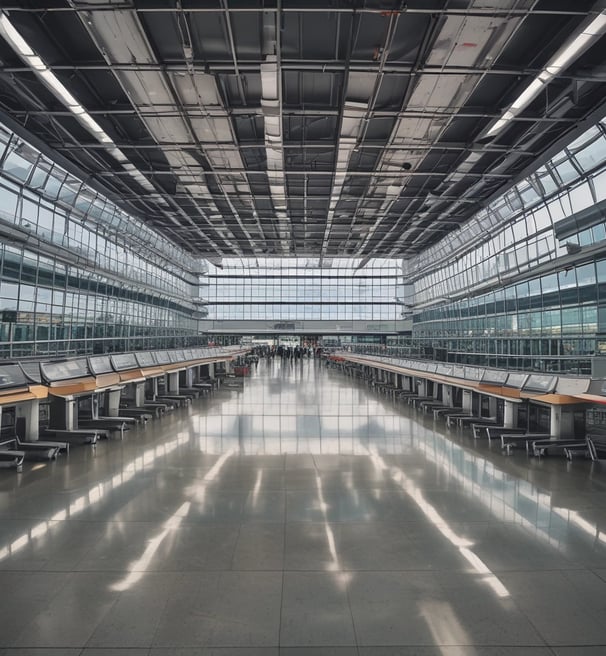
(308,127)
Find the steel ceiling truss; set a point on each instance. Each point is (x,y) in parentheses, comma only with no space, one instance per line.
(347,129)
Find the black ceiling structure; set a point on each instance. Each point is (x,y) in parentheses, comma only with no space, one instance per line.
(301,127)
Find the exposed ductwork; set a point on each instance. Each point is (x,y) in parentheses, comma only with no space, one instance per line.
(321,129)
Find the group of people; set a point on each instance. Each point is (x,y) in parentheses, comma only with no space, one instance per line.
(296,353)
(285,352)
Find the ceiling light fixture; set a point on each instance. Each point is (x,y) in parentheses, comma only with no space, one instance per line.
(53,83)
(14,38)
(572,50)
(23,49)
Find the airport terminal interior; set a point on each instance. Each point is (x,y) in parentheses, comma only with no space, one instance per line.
(302,333)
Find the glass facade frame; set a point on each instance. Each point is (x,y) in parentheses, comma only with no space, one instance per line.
(290,289)
(517,231)
(548,322)
(77,273)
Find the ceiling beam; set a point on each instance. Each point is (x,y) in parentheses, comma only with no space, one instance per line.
(429,9)
(327,173)
(327,146)
(148,112)
(320,66)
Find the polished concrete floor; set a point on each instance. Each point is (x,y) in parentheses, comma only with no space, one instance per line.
(301,516)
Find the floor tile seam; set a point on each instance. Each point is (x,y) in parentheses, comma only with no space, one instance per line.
(235,547)
(60,651)
(379,522)
(424,570)
(346,522)
(151,650)
(481,645)
(30,518)
(524,614)
(299,570)
(101,619)
(351,615)
(303,648)
(161,616)
(550,570)
(342,570)
(89,551)
(574,645)
(205,570)
(283,562)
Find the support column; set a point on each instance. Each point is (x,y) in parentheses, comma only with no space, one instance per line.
(155,385)
(567,422)
(30,411)
(492,406)
(112,403)
(467,400)
(555,424)
(139,394)
(422,387)
(63,413)
(189,377)
(71,418)
(94,408)
(447,397)
(173,382)
(510,414)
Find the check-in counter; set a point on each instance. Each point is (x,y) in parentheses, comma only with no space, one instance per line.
(537,402)
(20,397)
(78,400)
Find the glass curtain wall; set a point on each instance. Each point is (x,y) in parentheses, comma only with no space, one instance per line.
(547,323)
(78,274)
(484,302)
(519,230)
(291,289)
